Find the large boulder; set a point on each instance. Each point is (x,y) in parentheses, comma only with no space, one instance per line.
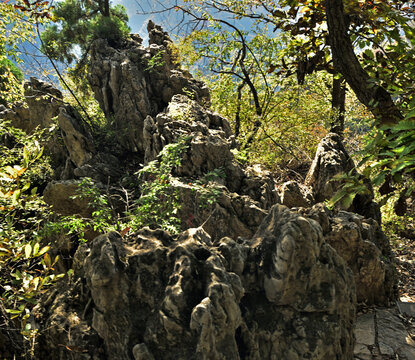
(133,82)
(77,139)
(42,102)
(332,159)
(64,198)
(294,194)
(363,245)
(284,294)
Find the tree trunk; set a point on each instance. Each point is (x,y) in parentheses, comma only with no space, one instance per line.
(338,105)
(104,7)
(375,97)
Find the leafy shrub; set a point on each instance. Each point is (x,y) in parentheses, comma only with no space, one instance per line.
(111,28)
(11,79)
(26,268)
(159,202)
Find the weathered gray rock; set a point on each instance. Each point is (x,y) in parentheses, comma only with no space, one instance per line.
(227,214)
(60,195)
(247,279)
(78,141)
(300,273)
(209,148)
(365,248)
(135,82)
(70,335)
(332,159)
(285,294)
(42,102)
(294,194)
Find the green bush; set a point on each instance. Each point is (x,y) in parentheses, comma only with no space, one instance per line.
(26,268)
(111,28)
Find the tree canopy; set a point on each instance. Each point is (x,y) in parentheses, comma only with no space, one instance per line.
(80,22)
(370,43)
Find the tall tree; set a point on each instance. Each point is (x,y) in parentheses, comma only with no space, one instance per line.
(18,21)
(80,22)
(341,36)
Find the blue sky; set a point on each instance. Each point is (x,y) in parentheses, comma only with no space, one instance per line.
(138,22)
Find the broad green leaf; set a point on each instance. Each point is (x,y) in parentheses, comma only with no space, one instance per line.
(47,260)
(379,179)
(348,200)
(27,251)
(43,250)
(35,249)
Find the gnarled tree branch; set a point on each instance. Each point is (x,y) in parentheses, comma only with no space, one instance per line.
(374,96)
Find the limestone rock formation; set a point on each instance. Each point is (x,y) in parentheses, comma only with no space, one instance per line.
(365,248)
(294,194)
(246,278)
(78,142)
(42,102)
(60,195)
(283,294)
(332,159)
(135,82)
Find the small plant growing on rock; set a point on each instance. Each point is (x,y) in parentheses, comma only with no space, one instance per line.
(156,61)
(159,202)
(206,193)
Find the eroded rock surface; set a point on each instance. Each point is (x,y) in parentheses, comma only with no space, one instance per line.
(137,81)
(294,194)
(247,279)
(42,102)
(365,248)
(283,294)
(64,198)
(332,159)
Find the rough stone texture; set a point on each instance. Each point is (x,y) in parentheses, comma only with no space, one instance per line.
(79,143)
(296,272)
(69,334)
(381,334)
(40,106)
(209,148)
(247,279)
(42,102)
(294,194)
(230,215)
(332,159)
(59,194)
(159,297)
(137,81)
(365,248)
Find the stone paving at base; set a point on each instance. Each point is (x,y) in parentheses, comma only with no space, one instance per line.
(381,333)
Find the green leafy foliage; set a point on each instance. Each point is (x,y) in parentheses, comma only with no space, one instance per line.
(352,185)
(17,25)
(26,268)
(159,202)
(293,117)
(79,23)
(10,81)
(206,192)
(387,161)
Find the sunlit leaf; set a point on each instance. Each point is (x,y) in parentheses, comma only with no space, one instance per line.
(28,251)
